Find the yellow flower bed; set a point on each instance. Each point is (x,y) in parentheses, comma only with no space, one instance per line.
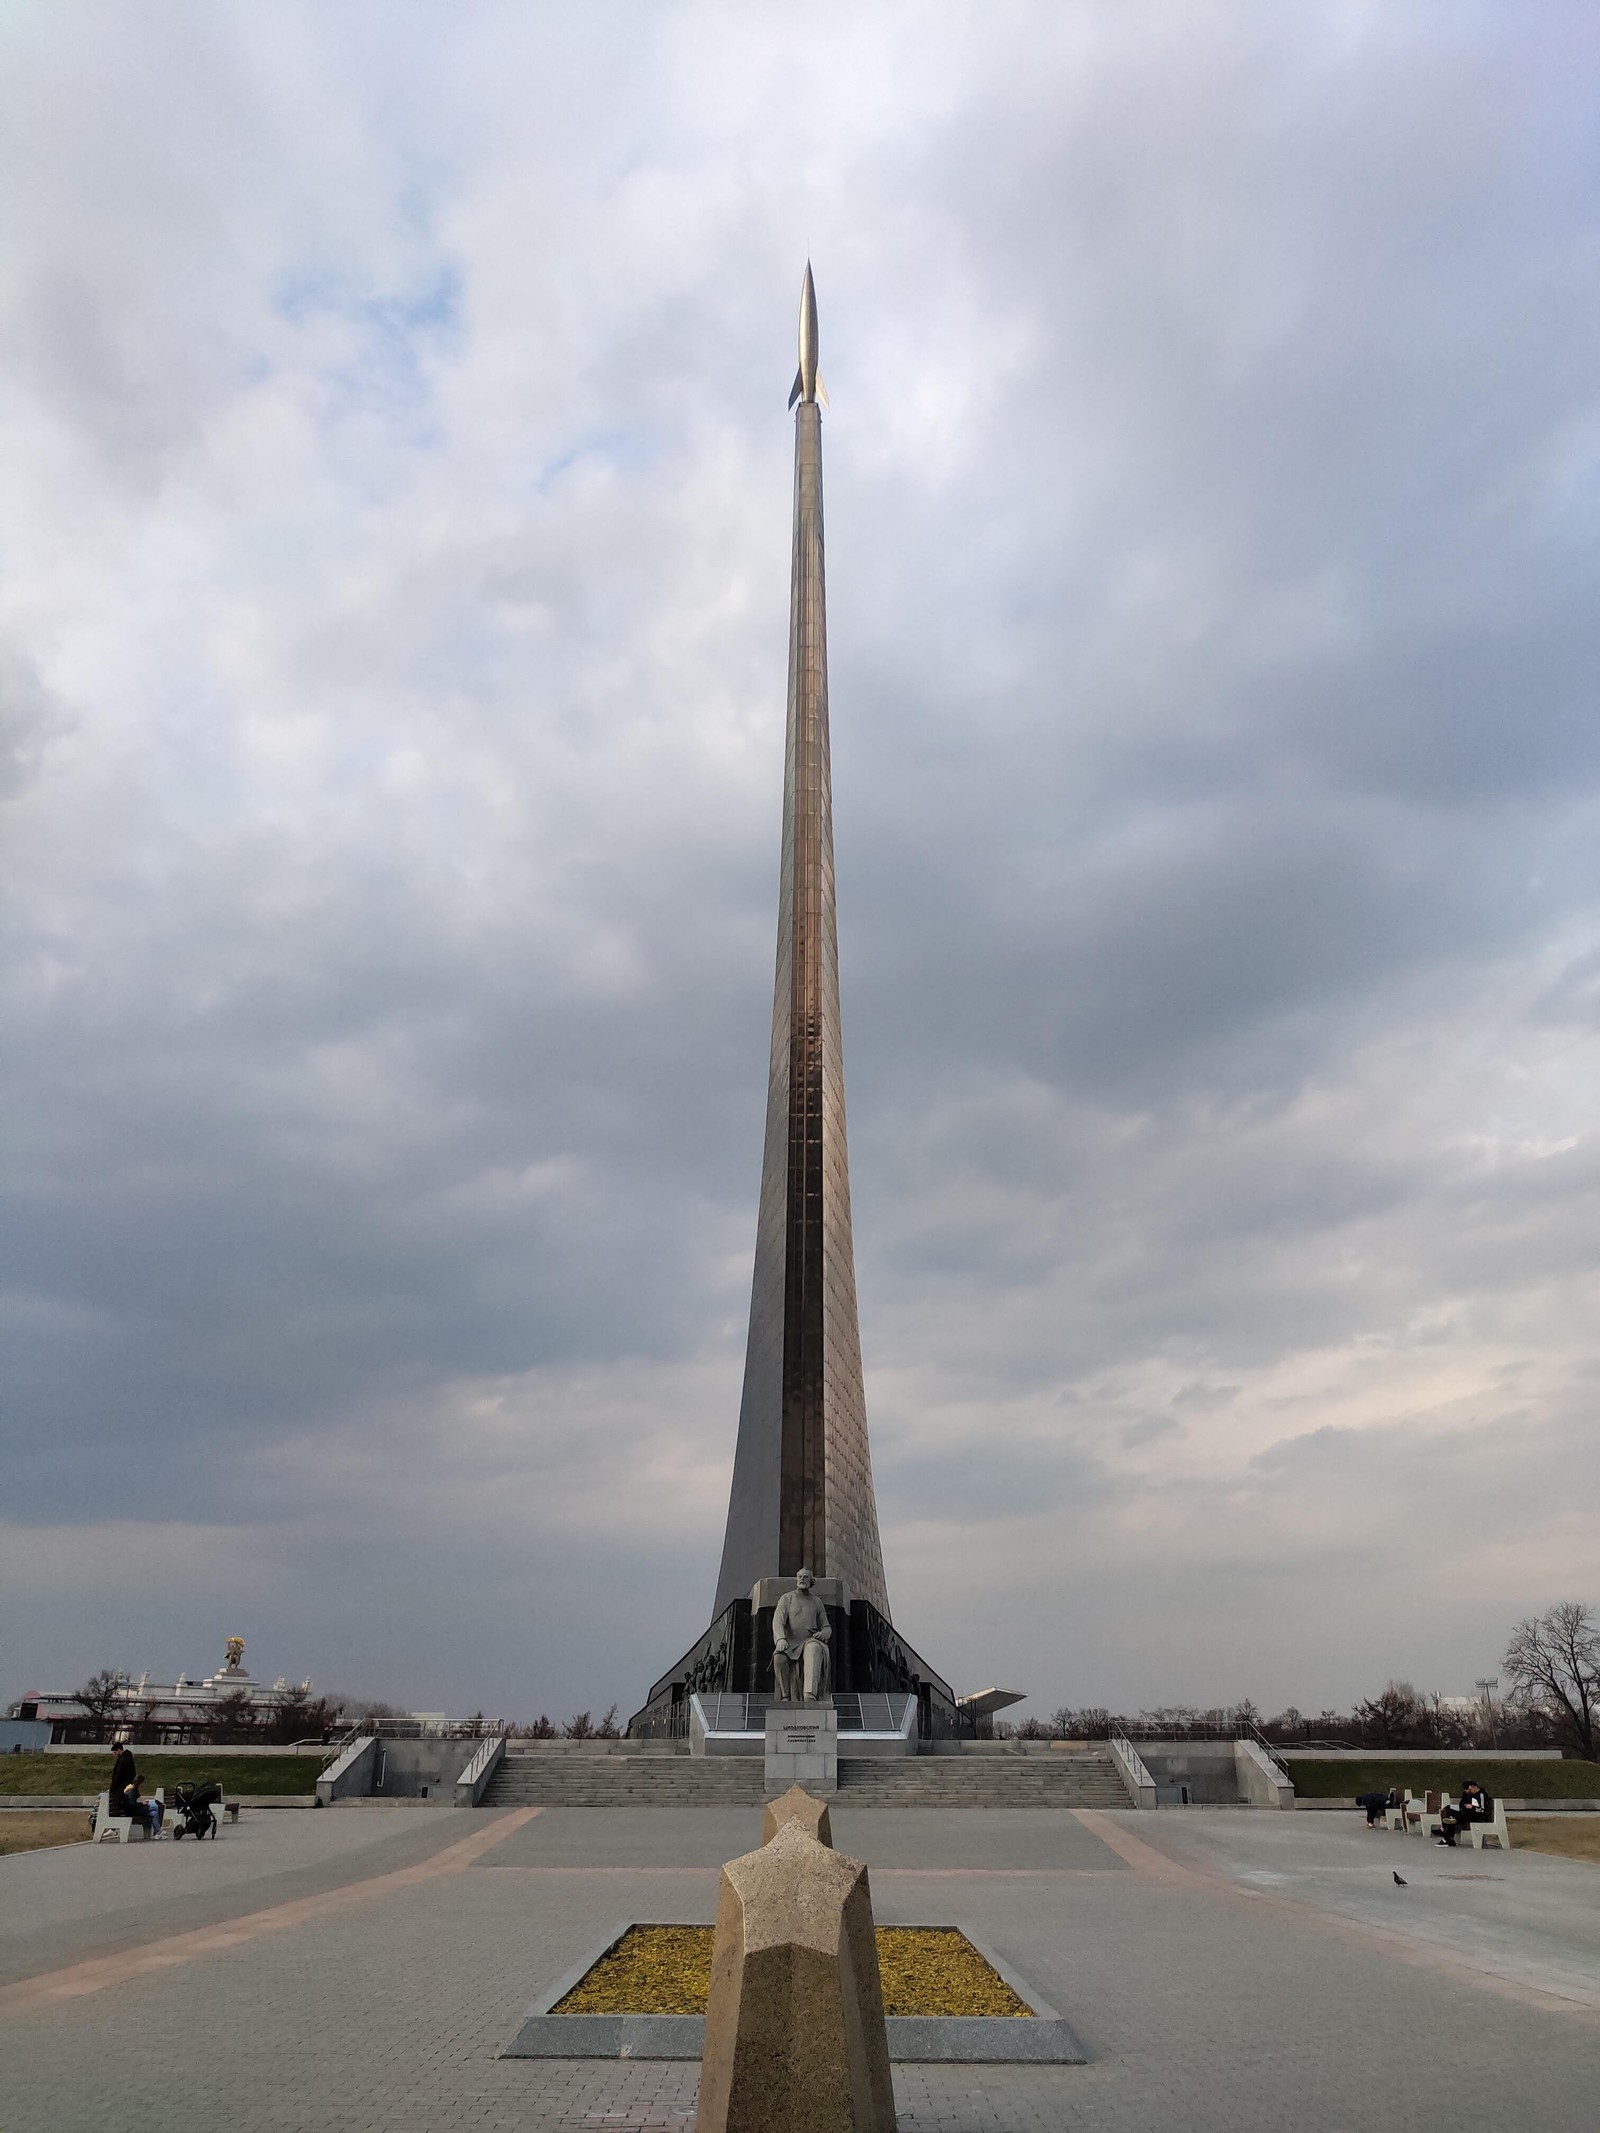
(651,1970)
(926,1970)
(934,1970)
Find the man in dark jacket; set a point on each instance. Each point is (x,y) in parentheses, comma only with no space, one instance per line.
(123,1774)
(124,1788)
(1476,1806)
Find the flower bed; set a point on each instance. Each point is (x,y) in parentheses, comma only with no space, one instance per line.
(666,1970)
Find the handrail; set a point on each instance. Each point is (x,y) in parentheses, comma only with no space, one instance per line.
(473,1782)
(481,1761)
(1269,1749)
(345,1776)
(1135,1774)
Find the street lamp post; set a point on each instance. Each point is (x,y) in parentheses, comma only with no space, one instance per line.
(1486,1688)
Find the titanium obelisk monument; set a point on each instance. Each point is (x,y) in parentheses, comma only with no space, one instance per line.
(802,1474)
(802,1496)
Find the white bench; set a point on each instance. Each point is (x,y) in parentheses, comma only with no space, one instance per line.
(1495,1831)
(1422,1816)
(123,1827)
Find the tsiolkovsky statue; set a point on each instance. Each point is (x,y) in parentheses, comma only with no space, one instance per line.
(800,1656)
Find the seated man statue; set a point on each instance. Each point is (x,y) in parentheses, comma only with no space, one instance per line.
(800,1633)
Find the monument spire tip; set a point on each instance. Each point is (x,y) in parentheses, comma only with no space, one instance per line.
(808,385)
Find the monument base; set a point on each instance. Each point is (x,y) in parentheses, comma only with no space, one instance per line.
(802,1747)
(734,1657)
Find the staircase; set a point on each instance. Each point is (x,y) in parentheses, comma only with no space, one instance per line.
(527,1778)
(1057,1780)
(530,1776)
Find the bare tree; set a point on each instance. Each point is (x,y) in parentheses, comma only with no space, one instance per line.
(1092,1723)
(102,1697)
(289,1717)
(1553,1665)
(371,1711)
(296,1715)
(1393,1720)
(233,1717)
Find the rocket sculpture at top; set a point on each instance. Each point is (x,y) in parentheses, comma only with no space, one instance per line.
(808,383)
(802,1493)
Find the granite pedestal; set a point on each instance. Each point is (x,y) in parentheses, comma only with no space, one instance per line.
(802,1747)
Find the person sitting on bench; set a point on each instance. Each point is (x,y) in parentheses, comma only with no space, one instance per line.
(1475,1806)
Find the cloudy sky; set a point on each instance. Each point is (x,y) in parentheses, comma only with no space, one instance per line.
(393,595)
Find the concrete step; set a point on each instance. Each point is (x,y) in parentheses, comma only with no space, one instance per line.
(531,1779)
(956,1771)
(984,1781)
(625,1781)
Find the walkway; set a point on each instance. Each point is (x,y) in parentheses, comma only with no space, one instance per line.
(360,1968)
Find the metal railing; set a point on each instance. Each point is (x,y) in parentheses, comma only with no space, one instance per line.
(471,1785)
(481,1761)
(873,1712)
(1132,1766)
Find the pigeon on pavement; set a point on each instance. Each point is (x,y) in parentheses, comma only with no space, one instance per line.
(1401,1882)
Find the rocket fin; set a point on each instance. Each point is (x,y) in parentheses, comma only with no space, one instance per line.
(797,388)
(822,391)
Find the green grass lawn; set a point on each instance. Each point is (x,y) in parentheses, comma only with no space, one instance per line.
(1533,1780)
(40,1776)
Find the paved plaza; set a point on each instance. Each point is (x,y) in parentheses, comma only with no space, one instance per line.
(361,1968)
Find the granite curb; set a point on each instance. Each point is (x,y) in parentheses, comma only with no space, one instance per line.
(1040,2038)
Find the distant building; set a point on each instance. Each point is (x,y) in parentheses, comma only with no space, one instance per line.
(161,1709)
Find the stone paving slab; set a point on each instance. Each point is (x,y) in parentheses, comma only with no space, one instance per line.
(97,1898)
(1202,2008)
(613,1837)
(1024,1839)
(956,1839)
(1507,1913)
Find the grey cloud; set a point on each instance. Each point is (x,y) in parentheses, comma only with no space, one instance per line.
(398,646)
(1150,1430)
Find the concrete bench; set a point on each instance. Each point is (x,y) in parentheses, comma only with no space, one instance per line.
(1422,1816)
(228,1809)
(1495,1831)
(1425,1818)
(123,1827)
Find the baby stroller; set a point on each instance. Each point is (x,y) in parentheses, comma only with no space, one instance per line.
(191,1809)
